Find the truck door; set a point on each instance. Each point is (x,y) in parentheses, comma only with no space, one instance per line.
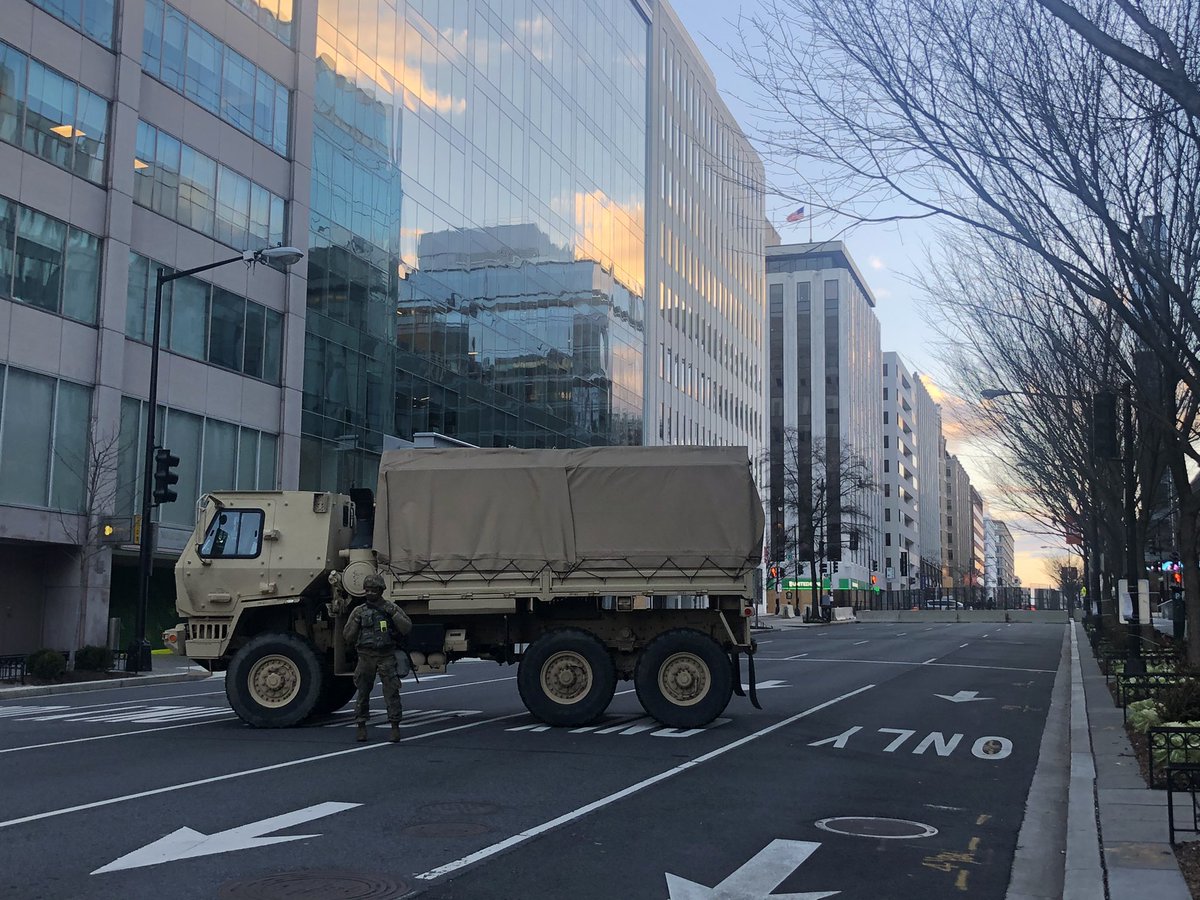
(236,553)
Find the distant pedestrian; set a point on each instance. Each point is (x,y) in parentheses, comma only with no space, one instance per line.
(374,629)
(827,606)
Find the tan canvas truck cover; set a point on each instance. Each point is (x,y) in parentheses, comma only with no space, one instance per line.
(446,510)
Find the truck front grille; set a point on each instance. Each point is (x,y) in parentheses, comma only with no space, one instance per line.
(208,631)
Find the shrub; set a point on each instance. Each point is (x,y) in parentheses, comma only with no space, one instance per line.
(1144,715)
(93,658)
(1181,702)
(46,663)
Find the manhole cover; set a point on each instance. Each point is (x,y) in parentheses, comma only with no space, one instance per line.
(873,827)
(446,829)
(315,886)
(460,808)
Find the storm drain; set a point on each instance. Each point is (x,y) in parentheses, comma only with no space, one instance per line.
(315,886)
(874,827)
(460,808)
(446,829)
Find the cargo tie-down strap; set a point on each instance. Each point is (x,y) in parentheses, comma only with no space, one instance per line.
(735,661)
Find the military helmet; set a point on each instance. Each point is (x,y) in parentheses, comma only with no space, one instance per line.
(374,584)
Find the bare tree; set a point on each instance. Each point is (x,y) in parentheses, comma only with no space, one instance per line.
(1005,118)
(823,505)
(83,527)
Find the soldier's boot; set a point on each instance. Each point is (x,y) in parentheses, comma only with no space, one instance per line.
(362,732)
(395,738)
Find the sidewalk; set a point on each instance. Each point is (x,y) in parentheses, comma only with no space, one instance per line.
(1138,862)
(166,668)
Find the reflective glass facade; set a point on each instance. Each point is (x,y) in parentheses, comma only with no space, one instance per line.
(477,244)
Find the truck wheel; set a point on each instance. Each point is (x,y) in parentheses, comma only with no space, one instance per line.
(684,679)
(274,681)
(335,693)
(567,677)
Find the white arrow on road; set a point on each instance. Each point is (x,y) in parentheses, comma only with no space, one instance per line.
(963,697)
(767,685)
(756,879)
(187,843)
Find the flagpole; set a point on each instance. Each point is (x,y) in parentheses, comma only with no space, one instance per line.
(810,218)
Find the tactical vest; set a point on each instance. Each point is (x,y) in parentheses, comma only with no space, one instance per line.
(375,631)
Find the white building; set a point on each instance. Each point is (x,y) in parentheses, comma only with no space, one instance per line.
(999,571)
(901,467)
(825,393)
(930,485)
(706,299)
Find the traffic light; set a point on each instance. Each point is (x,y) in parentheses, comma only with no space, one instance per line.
(853,540)
(1104,425)
(164,462)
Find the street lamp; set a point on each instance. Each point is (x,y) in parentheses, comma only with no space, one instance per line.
(138,658)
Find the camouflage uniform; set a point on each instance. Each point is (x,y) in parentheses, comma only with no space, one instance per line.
(370,629)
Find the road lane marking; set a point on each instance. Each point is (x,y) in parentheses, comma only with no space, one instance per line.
(857,643)
(582,811)
(898,662)
(797,656)
(960,646)
(258,770)
(929,661)
(119,734)
(901,633)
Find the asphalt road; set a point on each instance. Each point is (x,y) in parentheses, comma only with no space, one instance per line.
(162,792)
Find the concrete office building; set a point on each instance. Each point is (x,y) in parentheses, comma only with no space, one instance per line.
(469,182)
(999,572)
(901,468)
(706,314)
(978,539)
(930,485)
(958,533)
(826,400)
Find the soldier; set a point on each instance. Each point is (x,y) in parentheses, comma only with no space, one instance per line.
(372,629)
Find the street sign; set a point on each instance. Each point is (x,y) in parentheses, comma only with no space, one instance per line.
(185,843)
(756,879)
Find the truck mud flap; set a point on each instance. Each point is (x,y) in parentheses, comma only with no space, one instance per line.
(735,662)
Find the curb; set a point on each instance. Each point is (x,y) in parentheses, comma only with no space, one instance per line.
(1084,875)
(43,690)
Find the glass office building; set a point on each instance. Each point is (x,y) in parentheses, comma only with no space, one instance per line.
(476,235)
(497,218)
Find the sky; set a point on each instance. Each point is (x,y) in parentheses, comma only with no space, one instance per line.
(891,256)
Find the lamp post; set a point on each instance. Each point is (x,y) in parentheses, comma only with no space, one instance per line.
(138,657)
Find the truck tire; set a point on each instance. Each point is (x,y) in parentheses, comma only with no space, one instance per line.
(567,678)
(684,679)
(336,692)
(275,681)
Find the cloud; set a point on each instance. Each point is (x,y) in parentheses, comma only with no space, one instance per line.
(875,263)
(882,293)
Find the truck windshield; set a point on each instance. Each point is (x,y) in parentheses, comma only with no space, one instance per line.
(234,534)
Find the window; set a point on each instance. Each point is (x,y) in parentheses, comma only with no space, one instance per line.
(181,183)
(205,322)
(234,534)
(43,440)
(187,58)
(51,116)
(275,16)
(92,18)
(48,264)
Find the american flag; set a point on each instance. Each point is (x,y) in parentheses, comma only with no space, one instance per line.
(797,215)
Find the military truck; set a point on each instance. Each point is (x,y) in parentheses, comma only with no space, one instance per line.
(582,567)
